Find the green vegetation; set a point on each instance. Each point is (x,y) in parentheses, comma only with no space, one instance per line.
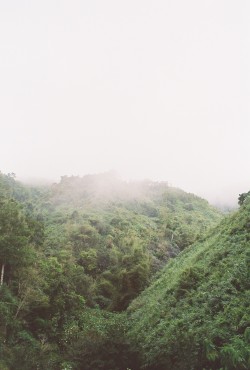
(197,314)
(97,273)
(118,234)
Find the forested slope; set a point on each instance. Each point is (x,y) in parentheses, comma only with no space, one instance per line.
(120,233)
(72,258)
(197,314)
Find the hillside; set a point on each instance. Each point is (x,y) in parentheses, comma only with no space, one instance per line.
(73,257)
(121,233)
(196,315)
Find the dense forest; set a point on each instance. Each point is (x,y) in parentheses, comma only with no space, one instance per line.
(99,273)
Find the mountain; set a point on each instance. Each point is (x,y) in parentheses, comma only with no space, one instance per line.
(196,315)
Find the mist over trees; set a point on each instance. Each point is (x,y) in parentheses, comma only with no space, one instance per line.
(99,273)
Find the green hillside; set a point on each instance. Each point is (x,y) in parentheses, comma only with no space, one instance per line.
(197,314)
(120,233)
(74,255)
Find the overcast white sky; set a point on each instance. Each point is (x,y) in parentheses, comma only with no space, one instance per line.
(154,89)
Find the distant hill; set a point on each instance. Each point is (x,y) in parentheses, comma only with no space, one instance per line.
(196,315)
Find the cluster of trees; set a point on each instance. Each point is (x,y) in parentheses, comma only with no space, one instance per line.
(75,255)
(243,197)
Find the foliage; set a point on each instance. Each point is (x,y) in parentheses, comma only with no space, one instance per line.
(243,197)
(121,233)
(73,257)
(197,314)
(97,341)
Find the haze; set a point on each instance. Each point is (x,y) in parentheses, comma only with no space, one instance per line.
(152,89)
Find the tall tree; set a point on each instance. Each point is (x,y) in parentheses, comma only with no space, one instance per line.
(14,249)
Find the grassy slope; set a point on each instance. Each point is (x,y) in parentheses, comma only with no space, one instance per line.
(197,314)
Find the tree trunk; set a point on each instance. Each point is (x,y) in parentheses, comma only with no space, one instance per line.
(22,302)
(2,274)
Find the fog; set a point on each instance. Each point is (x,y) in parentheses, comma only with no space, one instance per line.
(151,89)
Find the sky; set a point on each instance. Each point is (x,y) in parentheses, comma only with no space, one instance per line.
(156,89)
